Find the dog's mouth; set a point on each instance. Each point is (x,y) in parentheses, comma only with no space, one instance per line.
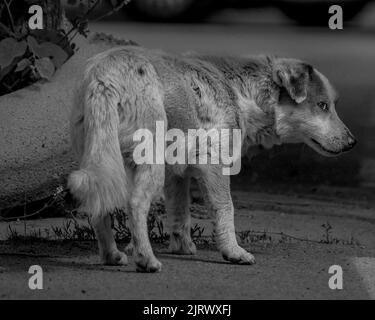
(321,147)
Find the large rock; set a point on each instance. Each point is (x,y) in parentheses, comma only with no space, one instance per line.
(35,155)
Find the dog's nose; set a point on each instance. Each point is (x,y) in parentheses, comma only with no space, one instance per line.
(350,143)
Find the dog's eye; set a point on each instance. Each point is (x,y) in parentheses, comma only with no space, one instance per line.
(323,105)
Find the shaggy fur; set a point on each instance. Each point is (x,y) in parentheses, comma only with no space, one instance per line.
(271,100)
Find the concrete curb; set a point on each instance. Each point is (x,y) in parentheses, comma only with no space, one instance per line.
(35,155)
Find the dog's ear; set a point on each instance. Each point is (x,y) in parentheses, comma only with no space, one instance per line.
(294,76)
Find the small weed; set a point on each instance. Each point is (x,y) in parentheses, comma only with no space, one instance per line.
(73,230)
(329,239)
(250,236)
(197,231)
(327,236)
(12,233)
(33,235)
(120,226)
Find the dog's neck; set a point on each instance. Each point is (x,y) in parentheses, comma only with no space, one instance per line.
(257,95)
(257,98)
(257,125)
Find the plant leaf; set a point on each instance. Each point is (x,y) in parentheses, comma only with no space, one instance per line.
(5,31)
(56,53)
(5,71)
(10,49)
(54,36)
(45,68)
(23,64)
(33,44)
(48,50)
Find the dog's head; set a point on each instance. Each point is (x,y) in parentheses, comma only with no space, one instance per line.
(306,109)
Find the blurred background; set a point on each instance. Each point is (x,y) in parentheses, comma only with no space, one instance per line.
(304,12)
(293,28)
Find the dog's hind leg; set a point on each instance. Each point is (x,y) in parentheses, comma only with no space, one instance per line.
(148,181)
(100,183)
(108,251)
(216,189)
(177,199)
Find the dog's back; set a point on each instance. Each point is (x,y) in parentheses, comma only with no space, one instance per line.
(193,91)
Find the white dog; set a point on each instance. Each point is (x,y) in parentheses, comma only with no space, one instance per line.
(271,100)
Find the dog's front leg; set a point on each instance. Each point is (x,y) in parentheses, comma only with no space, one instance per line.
(216,190)
(226,237)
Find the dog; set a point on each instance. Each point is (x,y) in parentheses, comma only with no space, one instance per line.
(271,100)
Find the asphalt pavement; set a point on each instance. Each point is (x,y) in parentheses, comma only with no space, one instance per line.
(282,271)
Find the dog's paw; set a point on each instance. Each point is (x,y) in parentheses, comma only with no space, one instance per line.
(116,258)
(238,255)
(129,249)
(147,264)
(181,245)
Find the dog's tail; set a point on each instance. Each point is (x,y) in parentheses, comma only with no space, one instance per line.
(100,183)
